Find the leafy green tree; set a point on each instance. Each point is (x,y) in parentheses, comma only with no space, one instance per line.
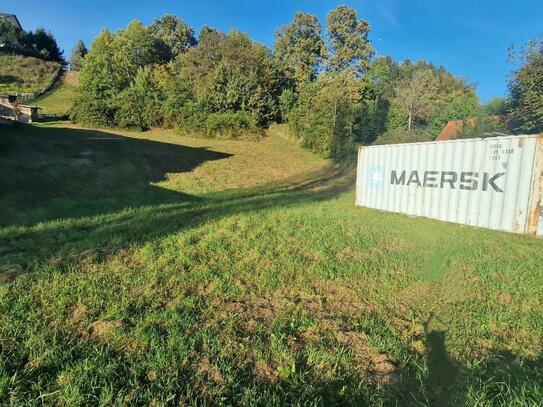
(526,91)
(100,80)
(382,76)
(77,55)
(232,73)
(496,106)
(287,101)
(138,106)
(349,40)
(136,47)
(175,33)
(108,76)
(300,49)
(327,115)
(417,94)
(461,107)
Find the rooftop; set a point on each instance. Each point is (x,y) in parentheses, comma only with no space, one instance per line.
(12,18)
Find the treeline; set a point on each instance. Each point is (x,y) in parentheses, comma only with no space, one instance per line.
(325,83)
(39,43)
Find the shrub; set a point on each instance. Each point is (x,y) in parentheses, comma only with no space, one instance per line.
(287,101)
(139,106)
(91,111)
(230,125)
(483,127)
(233,125)
(401,136)
(327,116)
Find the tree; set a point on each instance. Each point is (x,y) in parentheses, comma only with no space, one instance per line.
(40,43)
(461,107)
(76,57)
(136,47)
(349,40)
(417,93)
(175,33)
(10,36)
(45,44)
(232,73)
(327,115)
(497,106)
(138,106)
(526,91)
(100,80)
(300,48)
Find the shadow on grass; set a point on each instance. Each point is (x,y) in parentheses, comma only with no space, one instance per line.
(55,173)
(443,381)
(96,190)
(51,166)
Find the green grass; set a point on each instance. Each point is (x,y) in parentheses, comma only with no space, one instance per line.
(25,74)
(150,269)
(59,100)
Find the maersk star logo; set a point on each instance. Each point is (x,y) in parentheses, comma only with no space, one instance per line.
(376,176)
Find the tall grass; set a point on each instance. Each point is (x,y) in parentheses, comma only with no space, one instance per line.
(20,74)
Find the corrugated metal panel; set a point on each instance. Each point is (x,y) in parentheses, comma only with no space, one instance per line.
(494,183)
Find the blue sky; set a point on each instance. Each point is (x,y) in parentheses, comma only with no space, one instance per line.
(468,37)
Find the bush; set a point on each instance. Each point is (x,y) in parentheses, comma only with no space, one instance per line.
(401,136)
(91,111)
(287,101)
(327,116)
(483,127)
(232,125)
(139,106)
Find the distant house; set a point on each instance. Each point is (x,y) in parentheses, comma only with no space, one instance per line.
(11,18)
(454,127)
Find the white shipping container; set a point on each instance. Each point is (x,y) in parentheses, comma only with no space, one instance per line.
(494,183)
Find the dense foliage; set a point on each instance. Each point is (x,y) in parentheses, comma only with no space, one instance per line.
(327,86)
(526,91)
(39,43)
(141,77)
(77,55)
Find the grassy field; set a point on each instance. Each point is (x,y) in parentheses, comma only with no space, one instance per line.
(58,100)
(25,74)
(150,269)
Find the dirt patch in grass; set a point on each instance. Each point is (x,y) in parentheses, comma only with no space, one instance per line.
(10,272)
(102,329)
(79,313)
(376,366)
(208,369)
(332,309)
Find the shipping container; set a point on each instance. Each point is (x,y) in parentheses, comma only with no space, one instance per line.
(494,183)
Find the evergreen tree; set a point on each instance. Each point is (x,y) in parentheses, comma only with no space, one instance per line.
(76,57)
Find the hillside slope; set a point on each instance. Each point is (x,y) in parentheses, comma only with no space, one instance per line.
(59,99)
(152,269)
(19,74)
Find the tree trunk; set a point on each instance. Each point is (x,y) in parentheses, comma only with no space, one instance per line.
(409,120)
